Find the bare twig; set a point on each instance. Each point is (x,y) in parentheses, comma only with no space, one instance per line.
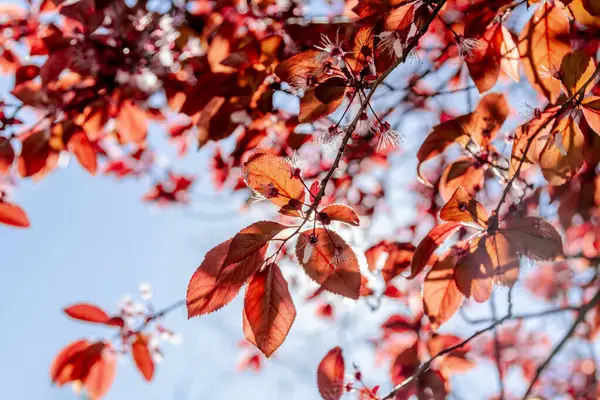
(582,312)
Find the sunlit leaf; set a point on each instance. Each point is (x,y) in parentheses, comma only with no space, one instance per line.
(330,375)
(268,310)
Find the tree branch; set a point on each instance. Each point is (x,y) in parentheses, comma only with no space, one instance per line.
(580,318)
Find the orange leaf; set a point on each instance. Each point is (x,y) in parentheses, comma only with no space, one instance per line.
(586,12)
(268,310)
(399,258)
(576,69)
(339,212)
(429,245)
(84,150)
(91,313)
(490,114)
(456,130)
(273,177)
(13,215)
(7,155)
(560,152)
(330,375)
(320,101)
(438,343)
(297,69)
(142,357)
(591,111)
(214,285)
(484,64)
(462,207)
(101,375)
(441,297)
(131,123)
(473,273)
(251,239)
(510,55)
(463,172)
(503,258)
(525,133)
(328,260)
(543,43)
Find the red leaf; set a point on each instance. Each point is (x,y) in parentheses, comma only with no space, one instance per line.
(484,64)
(543,43)
(393,292)
(34,153)
(13,215)
(268,310)
(462,207)
(399,258)
(214,285)
(323,100)
(429,245)
(91,313)
(398,324)
(93,364)
(330,375)
(339,212)
(251,239)
(328,260)
(7,155)
(441,297)
(142,357)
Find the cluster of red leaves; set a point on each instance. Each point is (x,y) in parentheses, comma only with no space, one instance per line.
(92,365)
(268,307)
(90,77)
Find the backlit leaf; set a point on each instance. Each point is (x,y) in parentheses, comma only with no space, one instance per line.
(462,207)
(322,100)
(92,364)
(131,123)
(591,112)
(543,43)
(251,239)
(534,237)
(330,375)
(509,51)
(463,172)
(142,357)
(576,70)
(329,261)
(7,155)
(84,150)
(484,63)
(430,243)
(399,258)
(268,310)
(13,215)
(560,153)
(273,177)
(340,212)
(441,297)
(214,285)
(473,273)
(91,313)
